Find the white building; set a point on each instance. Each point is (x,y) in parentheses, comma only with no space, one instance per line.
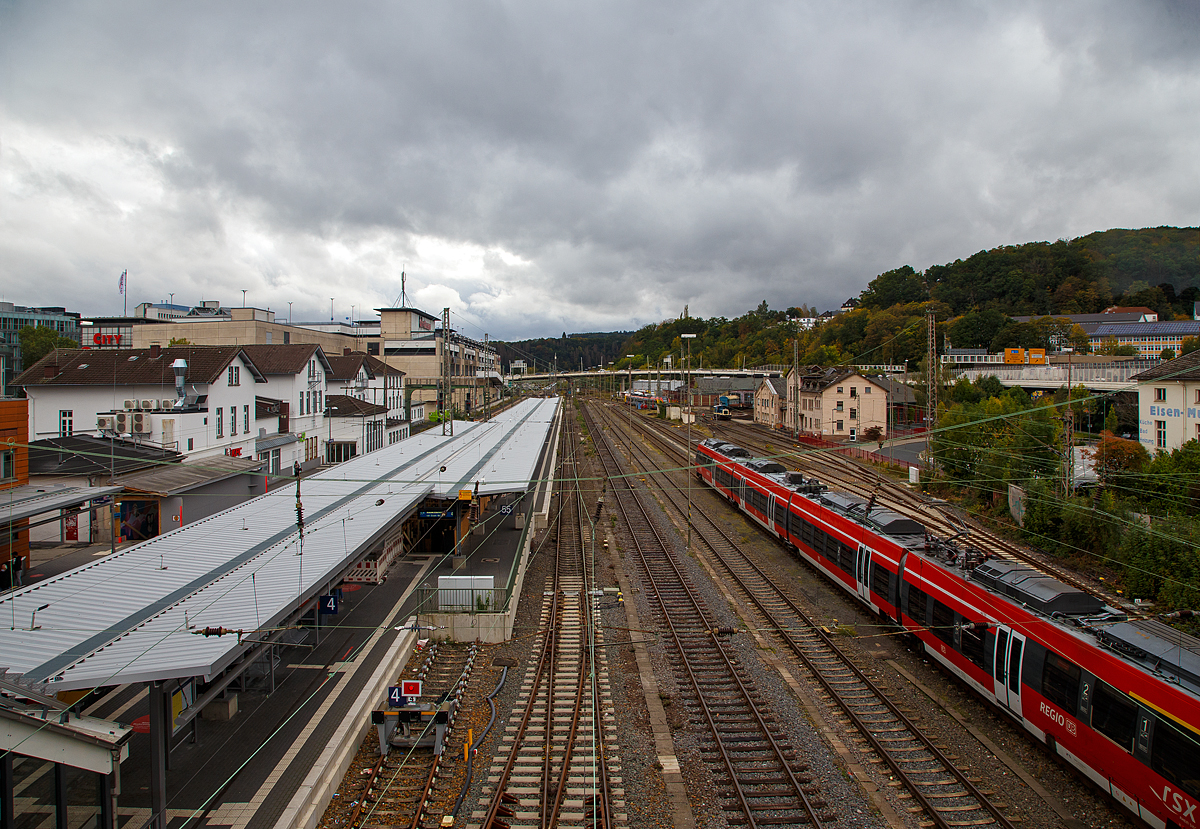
(134,393)
(1169,403)
(295,374)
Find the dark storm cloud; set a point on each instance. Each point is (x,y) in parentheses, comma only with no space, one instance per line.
(580,166)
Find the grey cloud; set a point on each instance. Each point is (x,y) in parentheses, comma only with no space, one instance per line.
(636,157)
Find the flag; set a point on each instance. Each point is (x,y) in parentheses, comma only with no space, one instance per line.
(121,282)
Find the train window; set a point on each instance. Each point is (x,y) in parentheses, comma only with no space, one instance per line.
(1176,756)
(1014,664)
(943,623)
(972,645)
(845,557)
(1001,649)
(881,581)
(916,604)
(1114,715)
(781,513)
(1060,682)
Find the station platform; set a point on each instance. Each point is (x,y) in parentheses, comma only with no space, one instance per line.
(275,748)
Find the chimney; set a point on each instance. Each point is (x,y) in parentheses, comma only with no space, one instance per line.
(346,351)
(51,370)
(155,351)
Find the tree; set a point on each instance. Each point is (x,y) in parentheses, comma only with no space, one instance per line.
(874,433)
(1167,354)
(895,287)
(1189,345)
(38,341)
(1117,459)
(178,341)
(1110,420)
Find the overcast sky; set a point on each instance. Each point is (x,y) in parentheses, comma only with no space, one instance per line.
(541,167)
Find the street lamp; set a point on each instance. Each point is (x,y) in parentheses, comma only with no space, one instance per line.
(687,466)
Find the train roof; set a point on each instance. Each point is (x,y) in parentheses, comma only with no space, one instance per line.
(1159,648)
(1035,589)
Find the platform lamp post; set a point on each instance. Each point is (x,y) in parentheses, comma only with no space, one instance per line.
(687,466)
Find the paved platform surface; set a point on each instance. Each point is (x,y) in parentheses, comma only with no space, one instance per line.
(246,772)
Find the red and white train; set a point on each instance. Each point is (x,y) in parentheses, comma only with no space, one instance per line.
(1117,698)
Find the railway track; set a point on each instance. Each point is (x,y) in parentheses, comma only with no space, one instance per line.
(561,758)
(762,779)
(948,795)
(401,788)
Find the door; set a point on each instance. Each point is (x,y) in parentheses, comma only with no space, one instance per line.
(1010,647)
(862,573)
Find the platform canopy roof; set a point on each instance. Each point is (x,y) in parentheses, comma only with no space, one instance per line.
(133,616)
(31,500)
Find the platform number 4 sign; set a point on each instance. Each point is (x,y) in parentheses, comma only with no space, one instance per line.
(398,695)
(329,604)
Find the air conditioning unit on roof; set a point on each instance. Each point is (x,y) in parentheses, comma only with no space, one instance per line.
(122,423)
(130,404)
(105,424)
(148,405)
(141,423)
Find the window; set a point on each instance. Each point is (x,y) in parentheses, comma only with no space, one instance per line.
(839,425)
(1060,682)
(1160,434)
(220,422)
(1114,715)
(8,464)
(866,389)
(839,406)
(854,391)
(1174,755)
(319,407)
(246,418)
(301,402)
(1198,396)
(972,644)
(854,414)
(191,445)
(232,421)
(916,604)
(1160,395)
(66,418)
(235,375)
(1014,663)
(881,581)
(943,623)
(839,390)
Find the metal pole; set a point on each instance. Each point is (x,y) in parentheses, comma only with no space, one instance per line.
(158,756)
(687,467)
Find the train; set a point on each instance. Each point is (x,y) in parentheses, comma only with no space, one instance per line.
(1117,698)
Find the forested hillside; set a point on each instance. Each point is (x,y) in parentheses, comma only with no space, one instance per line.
(973,299)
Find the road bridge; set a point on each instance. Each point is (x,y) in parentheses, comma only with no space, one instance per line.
(1101,377)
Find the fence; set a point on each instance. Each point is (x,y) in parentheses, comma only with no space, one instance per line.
(855,452)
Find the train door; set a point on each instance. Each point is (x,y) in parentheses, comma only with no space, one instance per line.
(1010,646)
(862,573)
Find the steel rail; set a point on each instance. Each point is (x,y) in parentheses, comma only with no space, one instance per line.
(821,673)
(623,485)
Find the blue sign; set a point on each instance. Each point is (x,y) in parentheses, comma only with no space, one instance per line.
(506,509)
(328,604)
(395,698)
